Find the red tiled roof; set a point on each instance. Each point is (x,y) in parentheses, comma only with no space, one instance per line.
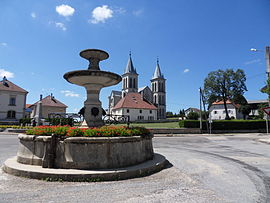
(9,86)
(227,102)
(27,106)
(134,101)
(51,101)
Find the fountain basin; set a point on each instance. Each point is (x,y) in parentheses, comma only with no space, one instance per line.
(86,77)
(85,152)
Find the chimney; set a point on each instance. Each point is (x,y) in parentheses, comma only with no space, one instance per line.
(40,97)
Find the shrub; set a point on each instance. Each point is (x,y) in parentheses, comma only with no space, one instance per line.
(225,124)
(25,121)
(193,116)
(89,132)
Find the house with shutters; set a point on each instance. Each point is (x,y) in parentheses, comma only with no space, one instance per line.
(12,102)
(145,103)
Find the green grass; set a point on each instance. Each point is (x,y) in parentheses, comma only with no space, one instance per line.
(156,125)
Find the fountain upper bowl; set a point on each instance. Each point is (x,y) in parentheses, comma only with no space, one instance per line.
(88,77)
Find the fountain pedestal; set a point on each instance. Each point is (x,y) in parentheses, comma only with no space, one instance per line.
(93,80)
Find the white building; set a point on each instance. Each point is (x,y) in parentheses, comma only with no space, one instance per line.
(134,106)
(12,102)
(154,96)
(217,110)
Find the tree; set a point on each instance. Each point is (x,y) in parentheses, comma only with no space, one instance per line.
(193,116)
(224,85)
(182,114)
(244,108)
(169,114)
(266,89)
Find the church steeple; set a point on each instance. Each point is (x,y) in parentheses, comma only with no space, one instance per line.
(159,92)
(157,73)
(130,68)
(129,78)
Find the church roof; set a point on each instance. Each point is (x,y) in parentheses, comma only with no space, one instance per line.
(130,68)
(142,88)
(51,101)
(116,93)
(9,86)
(157,73)
(134,101)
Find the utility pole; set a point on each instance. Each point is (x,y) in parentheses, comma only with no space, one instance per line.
(200,90)
(267,58)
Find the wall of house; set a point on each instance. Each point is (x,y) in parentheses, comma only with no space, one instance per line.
(48,109)
(5,106)
(217,112)
(136,114)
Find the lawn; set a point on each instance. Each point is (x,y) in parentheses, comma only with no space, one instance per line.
(157,125)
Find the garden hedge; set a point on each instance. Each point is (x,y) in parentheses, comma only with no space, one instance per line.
(226,124)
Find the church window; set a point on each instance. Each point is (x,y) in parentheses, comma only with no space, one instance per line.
(130,83)
(140,111)
(134,84)
(150,111)
(127,110)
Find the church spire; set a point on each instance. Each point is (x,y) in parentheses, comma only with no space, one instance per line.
(157,73)
(130,68)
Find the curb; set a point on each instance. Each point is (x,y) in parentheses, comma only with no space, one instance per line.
(11,166)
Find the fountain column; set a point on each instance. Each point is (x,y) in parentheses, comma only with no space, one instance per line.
(93,80)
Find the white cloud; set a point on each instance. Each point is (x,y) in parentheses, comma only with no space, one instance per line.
(186,70)
(65,10)
(33,15)
(6,73)
(138,12)
(252,61)
(100,14)
(4,44)
(59,25)
(69,93)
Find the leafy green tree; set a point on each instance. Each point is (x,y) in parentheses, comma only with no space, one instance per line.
(193,116)
(223,85)
(182,114)
(266,89)
(245,110)
(169,114)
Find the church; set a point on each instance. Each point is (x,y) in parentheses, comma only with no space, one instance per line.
(139,103)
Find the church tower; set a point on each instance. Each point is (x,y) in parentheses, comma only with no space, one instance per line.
(159,93)
(129,78)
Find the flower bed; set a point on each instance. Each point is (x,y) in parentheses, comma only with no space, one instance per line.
(15,127)
(104,131)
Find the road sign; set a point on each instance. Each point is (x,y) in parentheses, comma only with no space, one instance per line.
(266,110)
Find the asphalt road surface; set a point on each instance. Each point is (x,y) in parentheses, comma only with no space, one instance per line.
(231,168)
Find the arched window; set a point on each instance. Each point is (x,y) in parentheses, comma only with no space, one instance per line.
(11,114)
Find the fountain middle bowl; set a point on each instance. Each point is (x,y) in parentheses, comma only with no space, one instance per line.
(86,77)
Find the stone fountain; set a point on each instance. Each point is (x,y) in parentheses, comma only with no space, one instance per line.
(54,157)
(93,80)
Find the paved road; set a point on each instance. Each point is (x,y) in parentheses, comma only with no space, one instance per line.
(232,168)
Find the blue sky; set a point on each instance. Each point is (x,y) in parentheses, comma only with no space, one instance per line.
(41,40)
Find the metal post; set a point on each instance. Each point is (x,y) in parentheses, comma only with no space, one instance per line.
(200,90)
(267,58)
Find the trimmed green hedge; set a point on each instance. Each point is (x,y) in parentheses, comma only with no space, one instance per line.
(225,124)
